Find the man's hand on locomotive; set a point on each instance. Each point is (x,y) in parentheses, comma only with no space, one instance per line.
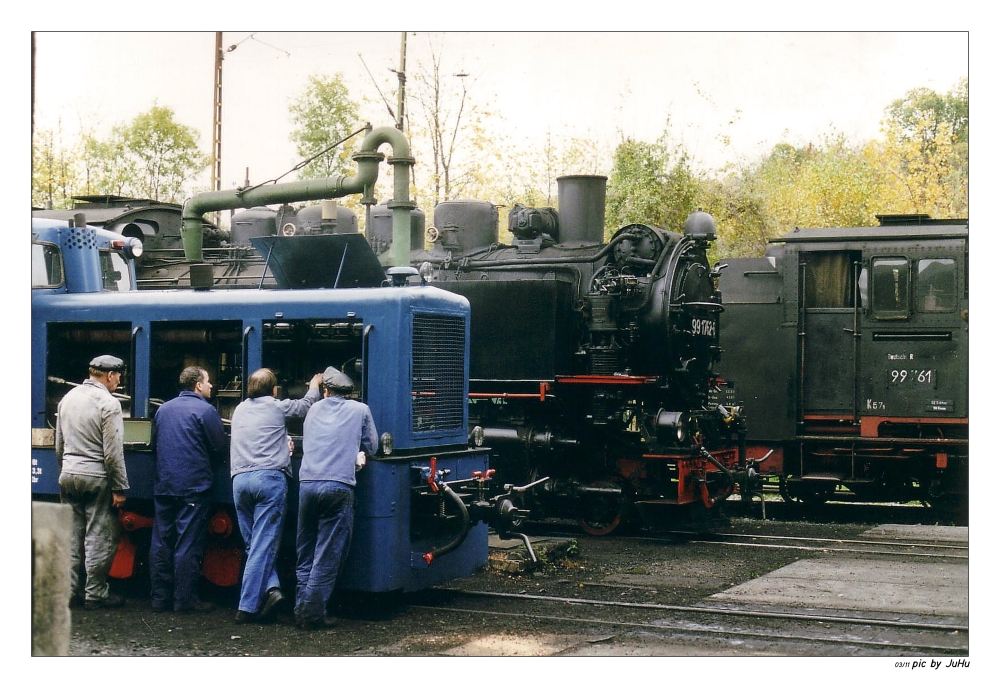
(360,462)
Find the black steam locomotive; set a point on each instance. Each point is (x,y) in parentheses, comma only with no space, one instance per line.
(848,349)
(591,360)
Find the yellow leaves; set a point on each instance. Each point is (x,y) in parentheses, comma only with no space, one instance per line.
(921,170)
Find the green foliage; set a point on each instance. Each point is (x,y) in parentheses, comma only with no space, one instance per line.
(922,114)
(151,157)
(920,166)
(54,175)
(652,183)
(323,113)
(925,154)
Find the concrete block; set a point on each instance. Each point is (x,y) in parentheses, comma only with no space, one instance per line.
(51,526)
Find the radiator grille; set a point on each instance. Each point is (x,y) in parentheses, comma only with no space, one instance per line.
(438,372)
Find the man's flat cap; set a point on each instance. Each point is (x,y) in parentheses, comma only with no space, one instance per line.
(336,380)
(108,363)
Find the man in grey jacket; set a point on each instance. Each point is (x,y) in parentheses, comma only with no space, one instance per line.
(90,449)
(261,468)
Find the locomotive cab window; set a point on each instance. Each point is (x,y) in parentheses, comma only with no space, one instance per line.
(935,290)
(829,279)
(890,288)
(46,266)
(71,347)
(114,272)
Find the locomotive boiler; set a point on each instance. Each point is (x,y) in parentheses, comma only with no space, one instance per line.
(591,360)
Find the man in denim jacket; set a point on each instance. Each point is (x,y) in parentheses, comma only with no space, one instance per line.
(260,465)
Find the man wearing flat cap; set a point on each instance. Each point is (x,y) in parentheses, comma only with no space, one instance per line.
(91,453)
(337,435)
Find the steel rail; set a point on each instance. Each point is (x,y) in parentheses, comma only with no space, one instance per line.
(728,633)
(718,611)
(720,540)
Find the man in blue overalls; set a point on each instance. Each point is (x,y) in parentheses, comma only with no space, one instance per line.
(187,437)
(337,436)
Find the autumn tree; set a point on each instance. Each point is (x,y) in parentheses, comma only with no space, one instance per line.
(152,157)
(465,158)
(324,114)
(925,154)
(54,175)
(652,183)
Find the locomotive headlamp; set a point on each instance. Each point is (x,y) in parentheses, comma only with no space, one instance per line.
(131,247)
(477,436)
(671,426)
(134,248)
(387,445)
(426,272)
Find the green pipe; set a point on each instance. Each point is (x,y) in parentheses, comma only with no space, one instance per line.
(367,158)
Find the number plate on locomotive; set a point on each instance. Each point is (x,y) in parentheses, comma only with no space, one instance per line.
(906,376)
(703,327)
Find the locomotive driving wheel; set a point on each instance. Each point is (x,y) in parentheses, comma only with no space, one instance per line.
(604,513)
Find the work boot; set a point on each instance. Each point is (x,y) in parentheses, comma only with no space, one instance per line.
(325,622)
(197,608)
(274,598)
(112,601)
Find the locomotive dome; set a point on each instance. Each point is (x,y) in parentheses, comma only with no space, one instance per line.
(700,224)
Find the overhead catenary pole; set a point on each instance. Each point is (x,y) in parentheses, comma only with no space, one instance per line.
(217,120)
(401,95)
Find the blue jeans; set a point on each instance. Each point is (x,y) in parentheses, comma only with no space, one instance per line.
(326,518)
(260,498)
(95,532)
(180,530)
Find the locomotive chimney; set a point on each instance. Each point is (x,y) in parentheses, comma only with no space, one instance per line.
(581,208)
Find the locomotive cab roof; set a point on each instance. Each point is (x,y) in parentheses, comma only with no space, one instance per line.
(951,229)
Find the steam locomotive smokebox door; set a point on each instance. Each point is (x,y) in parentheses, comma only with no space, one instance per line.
(320,261)
(521,330)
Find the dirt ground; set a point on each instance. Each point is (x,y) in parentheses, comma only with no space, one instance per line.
(409,626)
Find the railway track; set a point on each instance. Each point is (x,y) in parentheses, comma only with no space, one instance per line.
(849,511)
(922,549)
(767,588)
(820,633)
(813,544)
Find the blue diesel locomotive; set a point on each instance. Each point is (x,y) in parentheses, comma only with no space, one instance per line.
(423,503)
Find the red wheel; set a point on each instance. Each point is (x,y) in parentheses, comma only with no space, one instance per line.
(603,514)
